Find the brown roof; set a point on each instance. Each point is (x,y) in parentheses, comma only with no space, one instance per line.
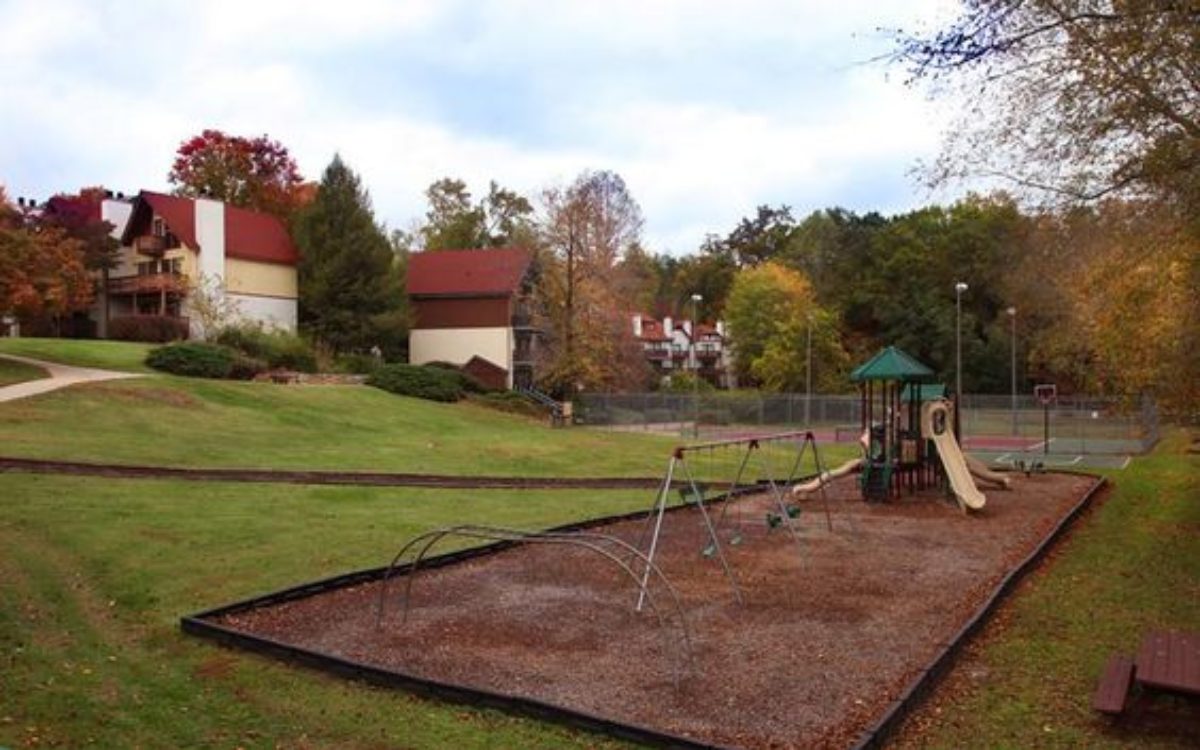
(249,235)
(467,273)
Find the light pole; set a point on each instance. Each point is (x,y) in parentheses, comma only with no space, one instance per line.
(808,375)
(959,288)
(695,370)
(1012,314)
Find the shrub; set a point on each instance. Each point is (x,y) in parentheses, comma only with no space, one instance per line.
(153,328)
(278,349)
(510,402)
(245,368)
(466,381)
(247,338)
(291,352)
(356,364)
(193,359)
(429,383)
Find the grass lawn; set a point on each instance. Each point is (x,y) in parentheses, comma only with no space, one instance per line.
(107,355)
(96,575)
(182,422)
(1132,564)
(18,372)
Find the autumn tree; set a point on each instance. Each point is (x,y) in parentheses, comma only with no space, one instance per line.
(351,290)
(256,173)
(455,221)
(587,228)
(79,215)
(42,271)
(769,311)
(1112,298)
(1080,98)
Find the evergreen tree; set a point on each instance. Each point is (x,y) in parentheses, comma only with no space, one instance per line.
(351,292)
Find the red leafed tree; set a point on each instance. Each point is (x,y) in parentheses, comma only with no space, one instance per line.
(42,269)
(255,173)
(79,216)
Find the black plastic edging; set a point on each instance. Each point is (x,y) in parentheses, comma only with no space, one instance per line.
(924,683)
(199,625)
(294,476)
(444,691)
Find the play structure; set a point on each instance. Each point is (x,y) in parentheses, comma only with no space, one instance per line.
(907,439)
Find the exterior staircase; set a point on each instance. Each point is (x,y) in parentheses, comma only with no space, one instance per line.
(556,410)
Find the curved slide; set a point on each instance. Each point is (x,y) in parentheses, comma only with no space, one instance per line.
(826,477)
(980,470)
(935,425)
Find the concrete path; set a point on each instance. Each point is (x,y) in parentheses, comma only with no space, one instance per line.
(61,376)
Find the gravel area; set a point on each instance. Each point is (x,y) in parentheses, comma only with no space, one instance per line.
(832,626)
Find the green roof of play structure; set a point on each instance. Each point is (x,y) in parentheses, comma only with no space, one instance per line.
(892,364)
(924,392)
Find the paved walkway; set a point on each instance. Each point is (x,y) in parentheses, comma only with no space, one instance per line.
(61,376)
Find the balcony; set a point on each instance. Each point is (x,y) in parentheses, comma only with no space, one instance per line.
(148,283)
(150,244)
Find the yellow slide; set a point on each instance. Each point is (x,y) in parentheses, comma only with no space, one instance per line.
(826,477)
(980,470)
(936,423)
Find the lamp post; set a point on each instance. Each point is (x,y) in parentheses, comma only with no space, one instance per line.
(1012,314)
(959,288)
(808,375)
(695,370)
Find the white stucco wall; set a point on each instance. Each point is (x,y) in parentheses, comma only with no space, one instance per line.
(272,312)
(458,345)
(210,236)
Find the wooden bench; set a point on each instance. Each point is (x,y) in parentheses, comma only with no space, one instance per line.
(1114,685)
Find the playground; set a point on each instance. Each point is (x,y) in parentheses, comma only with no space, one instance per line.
(766,607)
(830,630)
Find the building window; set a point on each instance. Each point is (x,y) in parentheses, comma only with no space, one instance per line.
(158,227)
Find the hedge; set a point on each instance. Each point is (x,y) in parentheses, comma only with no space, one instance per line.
(430,383)
(193,359)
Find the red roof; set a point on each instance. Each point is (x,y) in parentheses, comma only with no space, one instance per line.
(652,330)
(467,273)
(249,235)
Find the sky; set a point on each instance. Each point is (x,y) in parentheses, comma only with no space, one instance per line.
(706,109)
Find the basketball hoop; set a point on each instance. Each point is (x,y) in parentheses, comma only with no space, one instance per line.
(1046,393)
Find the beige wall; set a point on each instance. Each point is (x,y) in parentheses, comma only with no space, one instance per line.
(261,279)
(457,345)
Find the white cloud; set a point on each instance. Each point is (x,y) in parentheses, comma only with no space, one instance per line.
(105,91)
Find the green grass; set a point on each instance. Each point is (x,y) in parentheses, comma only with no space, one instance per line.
(180,422)
(18,372)
(1132,564)
(107,355)
(96,575)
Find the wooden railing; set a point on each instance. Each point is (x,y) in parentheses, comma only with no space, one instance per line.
(150,283)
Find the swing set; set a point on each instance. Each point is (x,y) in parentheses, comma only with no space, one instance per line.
(720,472)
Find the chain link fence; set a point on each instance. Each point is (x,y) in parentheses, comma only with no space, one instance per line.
(1078,424)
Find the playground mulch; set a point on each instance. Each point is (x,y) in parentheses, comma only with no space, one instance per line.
(831,631)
